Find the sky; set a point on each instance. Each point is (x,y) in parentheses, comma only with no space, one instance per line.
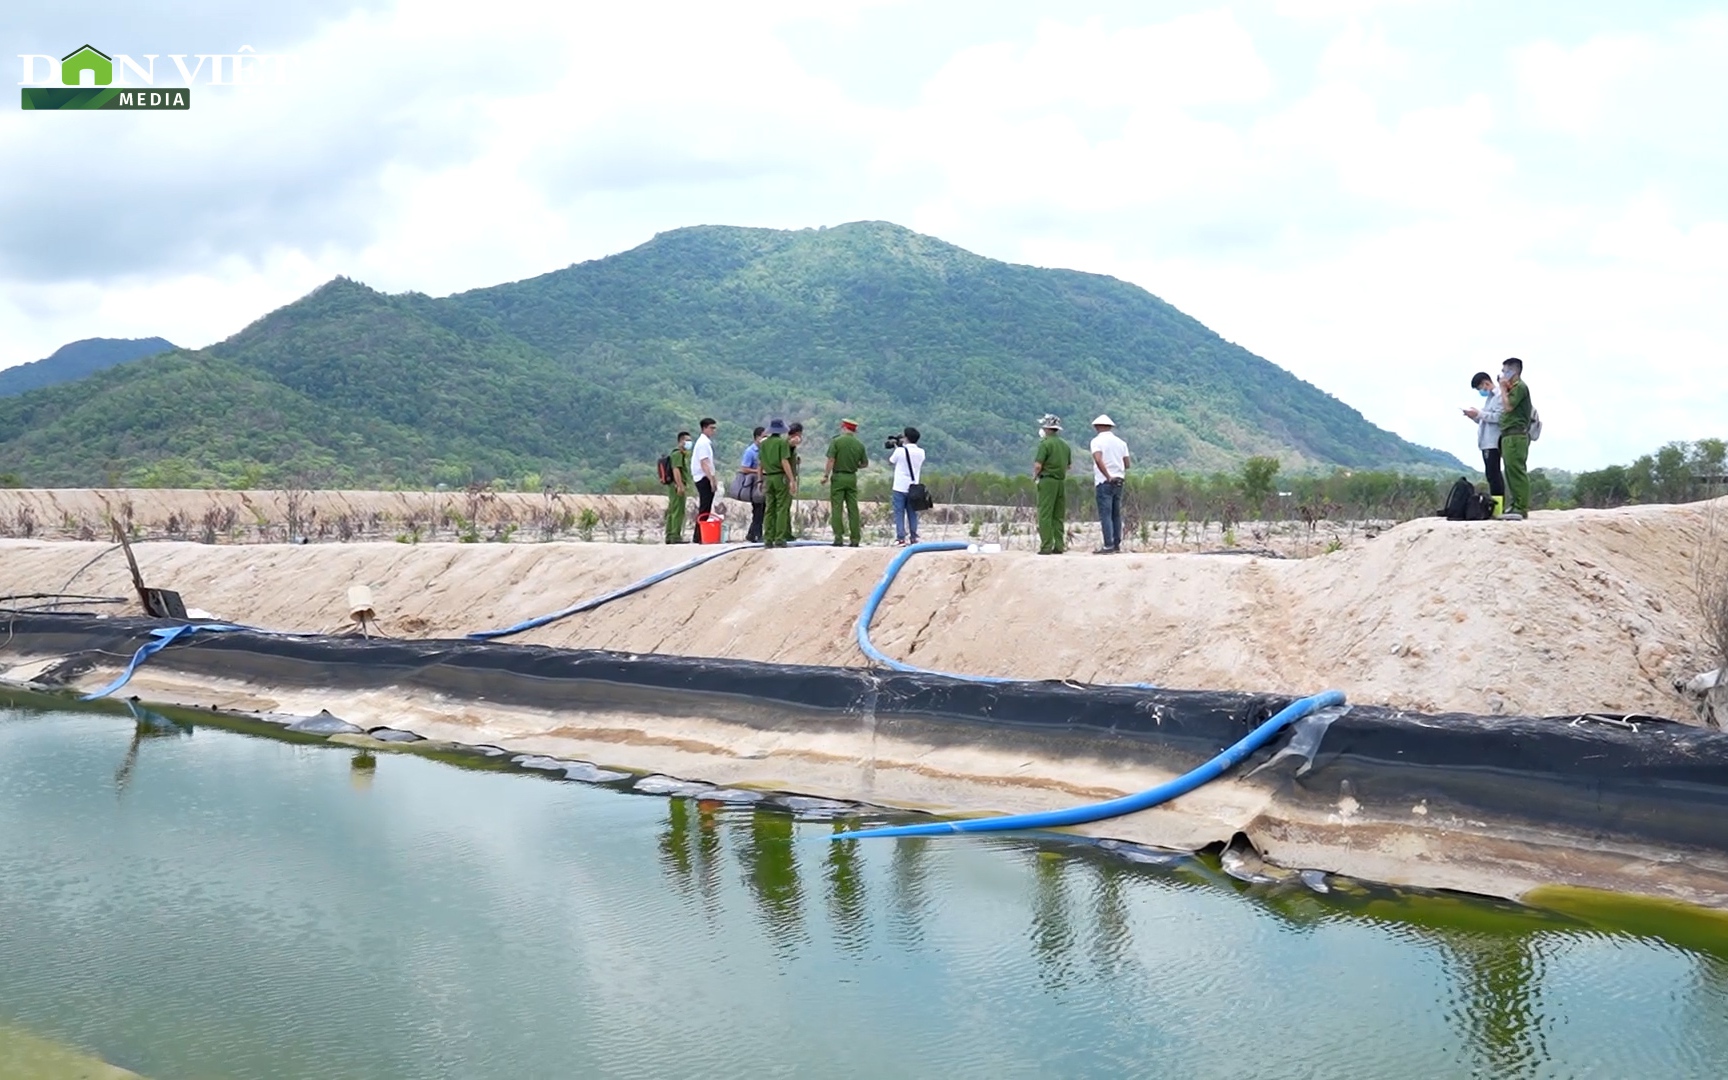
(1381,196)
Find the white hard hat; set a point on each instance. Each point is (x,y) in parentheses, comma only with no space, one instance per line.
(1103,421)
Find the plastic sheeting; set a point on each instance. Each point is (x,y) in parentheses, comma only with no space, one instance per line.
(1639,778)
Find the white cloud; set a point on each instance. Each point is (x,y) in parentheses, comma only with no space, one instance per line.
(1665,87)
(1376,232)
(1334,9)
(1362,50)
(1570,89)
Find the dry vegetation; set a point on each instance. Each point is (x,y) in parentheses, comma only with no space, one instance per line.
(1710,584)
(481,514)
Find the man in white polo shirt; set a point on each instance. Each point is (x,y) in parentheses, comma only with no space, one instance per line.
(702,471)
(1109,477)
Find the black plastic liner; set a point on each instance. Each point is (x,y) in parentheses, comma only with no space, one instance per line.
(1603,778)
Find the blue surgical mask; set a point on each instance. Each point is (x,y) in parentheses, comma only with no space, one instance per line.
(1486,391)
(687,444)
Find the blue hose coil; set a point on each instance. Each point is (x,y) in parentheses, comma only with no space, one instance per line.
(1127,804)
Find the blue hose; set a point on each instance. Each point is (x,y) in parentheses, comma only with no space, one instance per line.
(868,615)
(160,638)
(618,594)
(1127,804)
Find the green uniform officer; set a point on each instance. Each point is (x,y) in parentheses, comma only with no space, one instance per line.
(1516,418)
(845,457)
(1050,467)
(778,485)
(676,490)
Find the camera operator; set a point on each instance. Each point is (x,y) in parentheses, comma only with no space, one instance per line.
(907,457)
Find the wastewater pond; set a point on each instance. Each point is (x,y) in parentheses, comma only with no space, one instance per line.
(194,901)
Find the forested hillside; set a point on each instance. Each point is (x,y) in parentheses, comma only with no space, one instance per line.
(78,359)
(582,375)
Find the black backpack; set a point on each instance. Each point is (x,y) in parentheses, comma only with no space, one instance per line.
(1458,500)
(664,468)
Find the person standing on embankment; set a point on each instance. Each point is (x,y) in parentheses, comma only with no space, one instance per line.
(1050,476)
(1488,433)
(1516,411)
(908,462)
(780,483)
(677,488)
(794,439)
(845,457)
(1109,476)
(703,472)
(750,467)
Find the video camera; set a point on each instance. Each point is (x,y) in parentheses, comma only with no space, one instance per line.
(894,442)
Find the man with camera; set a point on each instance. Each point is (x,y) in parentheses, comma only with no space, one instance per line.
(907,457)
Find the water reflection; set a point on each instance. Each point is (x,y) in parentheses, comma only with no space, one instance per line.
(1495,1002)
(1052,927)
(1014,956)
(771,872)
(1491,952)
(847,905)
(145,725)
(1111,932)
(909,899)
(1079,914)
(362,768)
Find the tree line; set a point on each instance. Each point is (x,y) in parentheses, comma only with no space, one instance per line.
(1678,472)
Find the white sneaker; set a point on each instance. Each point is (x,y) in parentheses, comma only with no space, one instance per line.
(1512,516)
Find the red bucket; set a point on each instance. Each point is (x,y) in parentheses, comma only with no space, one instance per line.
(708,527)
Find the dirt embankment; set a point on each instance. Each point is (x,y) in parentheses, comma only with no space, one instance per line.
(1573,612)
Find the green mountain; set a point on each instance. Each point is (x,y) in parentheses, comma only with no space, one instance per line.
(586,372)
(78,359)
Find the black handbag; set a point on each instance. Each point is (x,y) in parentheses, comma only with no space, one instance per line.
(918,497)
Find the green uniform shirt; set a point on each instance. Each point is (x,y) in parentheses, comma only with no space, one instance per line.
(1516,419)
(1055,456)
(847,453)
(680,467)
(773,452)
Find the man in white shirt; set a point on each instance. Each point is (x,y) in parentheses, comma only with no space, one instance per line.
(702,471)
(1109,477)
(908,462)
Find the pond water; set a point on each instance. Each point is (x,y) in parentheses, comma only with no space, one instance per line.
(201,903)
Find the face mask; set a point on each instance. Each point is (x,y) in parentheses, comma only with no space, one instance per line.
(1508,375)
(687,444)
(1486,391)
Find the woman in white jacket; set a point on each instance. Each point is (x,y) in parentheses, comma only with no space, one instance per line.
(1488,431)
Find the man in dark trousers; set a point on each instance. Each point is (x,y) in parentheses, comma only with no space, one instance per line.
(702,471)
(780,483)
(845,457)
(751,466)
(1488,434)
(1515,415)
(678,490)
(1050,470)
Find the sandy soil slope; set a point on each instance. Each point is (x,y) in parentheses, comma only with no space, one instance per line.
(1565,613)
